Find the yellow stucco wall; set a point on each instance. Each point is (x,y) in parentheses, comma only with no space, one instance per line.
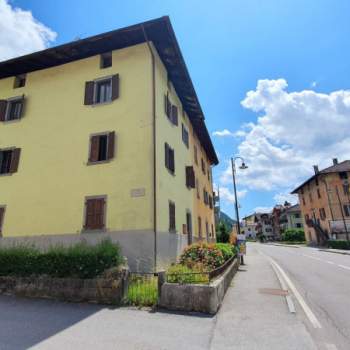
(170,187)
(46,195)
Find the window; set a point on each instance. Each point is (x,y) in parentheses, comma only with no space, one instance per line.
(212,230)
(102,147)
(185,136)
(346,189)
(190,177)
(298,225)
(197,187)
(210,202)
(316,181)
(207,230)
(169,158)
(11,109)
(102,90)
(318,193)
(346,208)
(297,215)
(203,166)
(106,60)
(2,214)
(303,200)
(322,214)
(205,197)
(172,217)
(9,160)
(208,172)
(20,81)
(343,175)
(310,197)
(195,151)
(170,110)
(95,216)
(199,227)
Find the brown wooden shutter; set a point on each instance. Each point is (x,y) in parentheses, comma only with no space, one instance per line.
(94,214)
(89,214)
(2,214)
(172,217)
(171,160)
(23,105)
(3,107)
(115,87)
(190,177)
(166,155)
(111,145)
(99,213)
(166,104)
(94,148)
(15,160)
(174,115)
(168,107)
(89,93)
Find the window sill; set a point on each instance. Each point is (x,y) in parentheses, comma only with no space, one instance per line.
(96,104)
(11,121)
(173,231)
(171,172)
(87,231)
(7,174)
(99,162)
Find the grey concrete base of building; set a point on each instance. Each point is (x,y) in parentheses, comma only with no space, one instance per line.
(138,247)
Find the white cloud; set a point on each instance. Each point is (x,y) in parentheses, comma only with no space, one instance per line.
(20,32)
(223,133)
(280,198)
(314,84)
(228,196)
(293,131)
(263,210)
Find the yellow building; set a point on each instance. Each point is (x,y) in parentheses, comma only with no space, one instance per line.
(105,137)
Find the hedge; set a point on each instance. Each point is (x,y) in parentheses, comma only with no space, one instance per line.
(339,244)
(294,235)
(80,260)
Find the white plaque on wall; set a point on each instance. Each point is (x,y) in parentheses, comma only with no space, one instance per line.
(138,192)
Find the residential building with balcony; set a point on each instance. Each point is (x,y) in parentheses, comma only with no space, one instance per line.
(325,203)
(105,137)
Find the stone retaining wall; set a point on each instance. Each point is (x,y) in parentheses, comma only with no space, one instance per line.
(105,290)
(206,298)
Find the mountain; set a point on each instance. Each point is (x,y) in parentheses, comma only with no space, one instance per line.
(227,220)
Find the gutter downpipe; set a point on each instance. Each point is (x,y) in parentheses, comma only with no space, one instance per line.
(154,148)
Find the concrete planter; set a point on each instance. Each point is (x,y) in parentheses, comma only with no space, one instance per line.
(109,289)
(205,298)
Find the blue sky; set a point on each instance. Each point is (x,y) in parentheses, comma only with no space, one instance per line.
(298,50)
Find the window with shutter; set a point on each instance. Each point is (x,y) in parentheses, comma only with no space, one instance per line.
(102,147)
(172,217)
(89,93)
(106,60)
(195,154)
(95,213)
(190,177)
(174,115)
(2,214)
(9,160)
(169,158)
(3,108)
(203,166)
(12,109)
(346,209)
(185,136)
(103,90)
(199,227)
(197,187)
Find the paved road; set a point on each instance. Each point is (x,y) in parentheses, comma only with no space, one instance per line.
(248,319)
(323,280)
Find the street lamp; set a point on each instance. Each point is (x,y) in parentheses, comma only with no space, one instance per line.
(242,166)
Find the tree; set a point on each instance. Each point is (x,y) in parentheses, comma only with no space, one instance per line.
(222,233)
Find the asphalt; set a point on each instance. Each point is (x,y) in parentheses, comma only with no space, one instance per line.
(323,280)
(249,318)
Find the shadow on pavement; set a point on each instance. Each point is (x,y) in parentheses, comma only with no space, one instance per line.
(26,322)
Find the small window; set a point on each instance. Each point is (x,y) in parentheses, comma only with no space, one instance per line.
(203,166)
(303,200)
(316,181)
(171,110)
(103,91)
(322,214)
(346,189)
(346,208)
(199,227)
(208,172)
(2,215)
(343,175)
(210,202)
(20,81)
(207,230)
(9,160)
(95,213)
(318,193)
(106,60)
(190,177)
(172,217)
(169,158)
(185,136)
(310,197)
(102,147)
(197,187)
(298,225)
(195,151)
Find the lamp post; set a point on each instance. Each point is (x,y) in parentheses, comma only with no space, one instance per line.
(243,166)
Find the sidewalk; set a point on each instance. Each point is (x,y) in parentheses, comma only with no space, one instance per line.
(249,319)
(336,251)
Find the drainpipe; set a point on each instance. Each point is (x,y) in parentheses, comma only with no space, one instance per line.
(154,147)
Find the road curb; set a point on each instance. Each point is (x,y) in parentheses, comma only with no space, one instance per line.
(285,245)
(334,251)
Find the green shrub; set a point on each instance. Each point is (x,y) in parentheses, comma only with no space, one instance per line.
(228,250)
(293,235)
(222,233)
(203,256)
(182,274)
(80,260)
(339,244)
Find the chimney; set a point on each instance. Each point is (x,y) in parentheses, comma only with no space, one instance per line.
(316,169)
(335,161)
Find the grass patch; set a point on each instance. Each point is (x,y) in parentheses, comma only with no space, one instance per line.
(143,290)
(182,274)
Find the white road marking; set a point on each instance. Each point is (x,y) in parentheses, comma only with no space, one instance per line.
(344,267)
(330,262)
(310,315)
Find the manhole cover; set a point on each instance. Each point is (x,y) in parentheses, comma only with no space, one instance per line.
(274,291)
